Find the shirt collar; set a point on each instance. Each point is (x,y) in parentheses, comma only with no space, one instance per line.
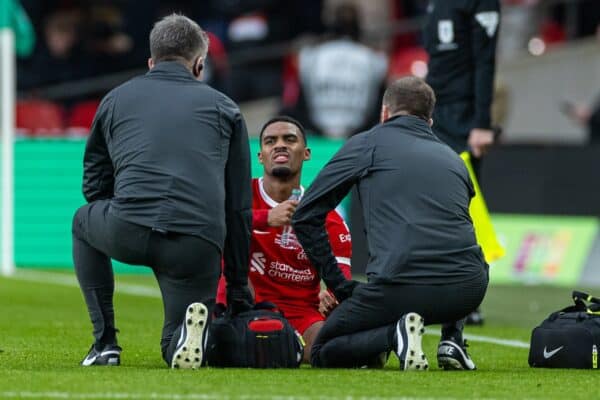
(268,199)
(410,121)
(173,68)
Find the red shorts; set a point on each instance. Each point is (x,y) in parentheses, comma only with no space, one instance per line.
(301,316)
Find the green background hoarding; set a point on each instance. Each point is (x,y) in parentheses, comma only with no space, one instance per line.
(542,249)
(48,191)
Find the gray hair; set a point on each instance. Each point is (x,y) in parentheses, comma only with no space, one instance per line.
(411,95)
(177,37)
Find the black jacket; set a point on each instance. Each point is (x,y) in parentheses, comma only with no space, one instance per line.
(172,154)
(460,37)
(415,194)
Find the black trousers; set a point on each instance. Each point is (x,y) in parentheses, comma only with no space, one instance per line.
(186,267)
(362,326)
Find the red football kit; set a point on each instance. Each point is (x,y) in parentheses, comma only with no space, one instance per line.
(280,271)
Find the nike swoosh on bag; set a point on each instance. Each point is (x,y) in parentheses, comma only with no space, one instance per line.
(548,354)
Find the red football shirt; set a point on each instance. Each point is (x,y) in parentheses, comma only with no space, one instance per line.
(280,271)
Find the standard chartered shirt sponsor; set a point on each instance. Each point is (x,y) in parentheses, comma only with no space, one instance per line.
(284,271)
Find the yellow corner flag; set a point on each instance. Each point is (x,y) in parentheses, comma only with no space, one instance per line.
(484,230)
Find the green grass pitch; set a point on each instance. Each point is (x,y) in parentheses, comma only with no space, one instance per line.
(44,333)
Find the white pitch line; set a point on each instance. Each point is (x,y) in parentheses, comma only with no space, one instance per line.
(502,342)
(146,291)
(175,396)
(487,339)
(71,280)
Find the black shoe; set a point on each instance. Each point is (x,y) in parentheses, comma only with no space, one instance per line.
(409,331)
(110,354)
(189,352)
(452,355)
(475,318)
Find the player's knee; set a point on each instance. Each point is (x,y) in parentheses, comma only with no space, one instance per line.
(309,336)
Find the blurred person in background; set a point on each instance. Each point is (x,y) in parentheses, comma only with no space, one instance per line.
(340,80)
(216,66)
(587,116)
(376,19)
(280,272)
(520,21)
(461,37)
(167,181)
(108,43)
(254,31)
(423,255)
(60,53)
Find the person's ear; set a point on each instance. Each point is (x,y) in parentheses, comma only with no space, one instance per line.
(260,158)
(307,154)
(198,67)
(430,122)
(385,113)
(150,63)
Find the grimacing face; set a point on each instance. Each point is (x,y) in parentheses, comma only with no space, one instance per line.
(282,150)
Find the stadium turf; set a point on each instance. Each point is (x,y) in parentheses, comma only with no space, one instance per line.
(44,333)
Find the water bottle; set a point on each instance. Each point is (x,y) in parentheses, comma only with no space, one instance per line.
(287,230)
(296,193)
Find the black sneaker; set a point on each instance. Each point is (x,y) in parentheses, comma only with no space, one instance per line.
(110,354)
(475,318)
(409,331)
(190,347)
(452,356)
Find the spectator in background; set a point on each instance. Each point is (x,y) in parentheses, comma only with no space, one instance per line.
(108,44)
(340,80)
(594,123)
(59,55)
(216,66)
(521,21)
(375,17)
(460,37)
(253,31)
(587,116)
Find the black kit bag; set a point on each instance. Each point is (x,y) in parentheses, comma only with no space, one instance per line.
(568,338)
(259,338)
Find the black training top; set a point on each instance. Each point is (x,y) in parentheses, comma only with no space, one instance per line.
(415,194)
(172,154)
